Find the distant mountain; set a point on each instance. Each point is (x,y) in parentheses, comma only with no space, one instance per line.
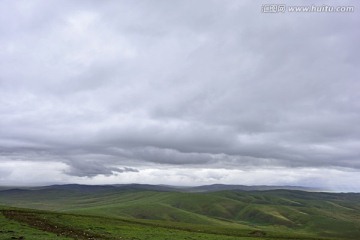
(159,188)
(148,187)
(224,187)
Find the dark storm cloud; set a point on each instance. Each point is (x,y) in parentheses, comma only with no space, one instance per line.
(100,86)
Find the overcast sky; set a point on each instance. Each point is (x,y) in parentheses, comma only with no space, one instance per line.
(179,92)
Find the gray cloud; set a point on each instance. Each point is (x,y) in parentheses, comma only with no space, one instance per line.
(84,168)
(207,84)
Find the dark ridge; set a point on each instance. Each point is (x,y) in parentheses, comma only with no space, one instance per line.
(148,187)
(223,187)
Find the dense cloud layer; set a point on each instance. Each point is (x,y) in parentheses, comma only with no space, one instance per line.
(116,87)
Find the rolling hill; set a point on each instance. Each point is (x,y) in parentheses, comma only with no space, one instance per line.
(230,211)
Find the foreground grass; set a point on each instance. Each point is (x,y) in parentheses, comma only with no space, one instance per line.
(30,224)
(12,229)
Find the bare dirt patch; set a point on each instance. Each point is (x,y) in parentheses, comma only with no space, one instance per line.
(40,223)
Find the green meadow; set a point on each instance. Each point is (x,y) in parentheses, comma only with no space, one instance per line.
(110,212)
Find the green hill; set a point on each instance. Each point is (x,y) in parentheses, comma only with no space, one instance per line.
(274,214)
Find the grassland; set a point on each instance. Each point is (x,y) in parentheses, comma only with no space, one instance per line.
(135,213)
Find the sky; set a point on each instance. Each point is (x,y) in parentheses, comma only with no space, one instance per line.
(179,93)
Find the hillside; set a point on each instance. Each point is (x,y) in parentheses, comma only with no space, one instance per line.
(274,213)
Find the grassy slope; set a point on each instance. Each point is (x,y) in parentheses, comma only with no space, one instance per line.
(279,213)
(32,224)
(11,229)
